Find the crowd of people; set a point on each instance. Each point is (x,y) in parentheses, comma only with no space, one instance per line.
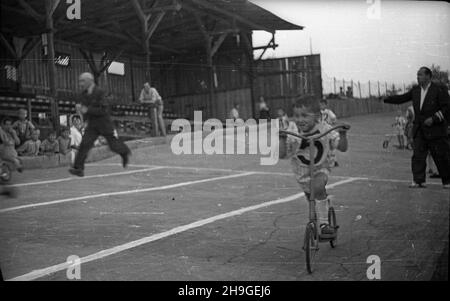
(22,138)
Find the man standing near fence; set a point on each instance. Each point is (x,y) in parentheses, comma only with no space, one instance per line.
(96,112)
(432,111)
(150,97)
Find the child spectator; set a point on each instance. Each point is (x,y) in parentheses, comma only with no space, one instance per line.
(31,147)
(23,126)
(75,134)
(409,127)
(326,114)
(263,109)
(234,113)
(8,142)
(50,146)
(328,117)
(308,122)
(399,126)
(283,119)
(64,141)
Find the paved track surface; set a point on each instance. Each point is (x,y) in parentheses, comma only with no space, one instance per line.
(224,217)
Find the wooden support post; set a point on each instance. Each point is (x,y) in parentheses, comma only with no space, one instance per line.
(133,95)
(369,89)
(379,92)
(50,6)
(147,32)
(251,64)
(334,82)
(359,88)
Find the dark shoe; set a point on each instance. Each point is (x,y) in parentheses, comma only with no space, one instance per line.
(9,192)
(417,185)
(326,229)
(77,172)
(435,175)
(126,159)
(336,164)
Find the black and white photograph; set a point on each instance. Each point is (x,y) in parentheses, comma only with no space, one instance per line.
(224,146)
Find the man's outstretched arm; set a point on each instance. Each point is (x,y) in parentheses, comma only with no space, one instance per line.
(399,99)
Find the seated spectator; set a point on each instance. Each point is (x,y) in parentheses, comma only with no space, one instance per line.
(234,113)
(263,109)
(50,146)
(64,141)
(23,126)
(75,134)
(8,142)
(31,147)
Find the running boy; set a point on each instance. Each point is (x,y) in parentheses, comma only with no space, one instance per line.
(307,121)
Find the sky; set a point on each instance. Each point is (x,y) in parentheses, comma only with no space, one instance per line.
(364,39)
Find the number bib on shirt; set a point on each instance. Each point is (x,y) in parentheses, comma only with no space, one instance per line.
(321,149)
(320,152)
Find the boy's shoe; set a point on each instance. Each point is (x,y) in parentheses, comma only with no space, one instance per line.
(417,185)
(76,172)
(435,175)
(326,229)
(336,164)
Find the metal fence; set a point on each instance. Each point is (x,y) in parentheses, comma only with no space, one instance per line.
(358,89)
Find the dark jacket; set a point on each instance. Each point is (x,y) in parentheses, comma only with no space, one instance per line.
(96,103)
(436,105)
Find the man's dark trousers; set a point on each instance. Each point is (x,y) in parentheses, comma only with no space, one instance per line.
(440,152)
(102,126)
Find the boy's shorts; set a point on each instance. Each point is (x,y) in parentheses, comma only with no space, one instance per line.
(304,180)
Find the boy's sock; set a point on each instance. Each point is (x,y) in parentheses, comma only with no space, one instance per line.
(322,211)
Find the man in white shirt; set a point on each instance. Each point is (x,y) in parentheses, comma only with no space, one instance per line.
(150,97)
(431,105)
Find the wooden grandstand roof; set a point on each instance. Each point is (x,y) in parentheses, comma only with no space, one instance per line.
(173,26)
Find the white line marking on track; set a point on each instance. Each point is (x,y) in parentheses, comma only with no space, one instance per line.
(101,195)
(87,177)
(262,172)
(133,244)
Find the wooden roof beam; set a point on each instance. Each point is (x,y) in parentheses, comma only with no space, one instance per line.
(227,13)
(8,46)
(31,11)
(174,7)
(154,25)
(140,13)
(194,10)
(218,43)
